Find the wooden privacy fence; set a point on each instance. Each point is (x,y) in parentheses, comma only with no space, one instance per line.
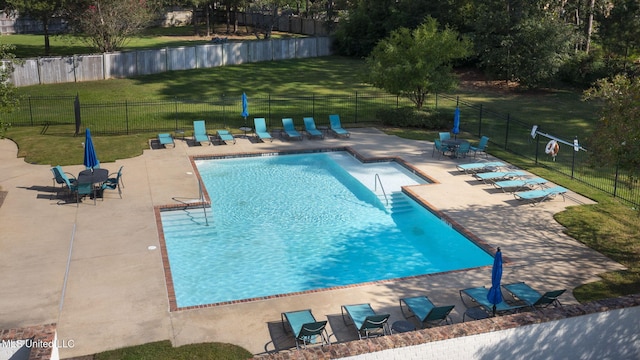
(77,68)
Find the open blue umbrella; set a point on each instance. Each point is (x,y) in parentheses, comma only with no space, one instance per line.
(90,158)
(456,122)
(245,107)
(495,295)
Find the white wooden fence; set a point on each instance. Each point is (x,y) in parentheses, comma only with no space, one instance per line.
(53,70)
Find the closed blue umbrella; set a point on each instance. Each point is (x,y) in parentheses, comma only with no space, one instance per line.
(245,107)
(495,295)
(90,158)
(456,122)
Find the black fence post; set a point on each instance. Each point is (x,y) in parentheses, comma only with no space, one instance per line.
(480,121)
(356,119)
(537,148)
(126,116)
(30,111)
(506,135)
(224,110)
(269,108)
(573,158)
(615,181)
(76,112)
(175,114)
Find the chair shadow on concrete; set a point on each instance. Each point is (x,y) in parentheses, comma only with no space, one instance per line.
(280,338)
(46,192)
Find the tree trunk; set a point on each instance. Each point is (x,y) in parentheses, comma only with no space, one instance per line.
(235,19)
(207,15)
(228,13)
(194,20)
(45,27)
(589,29)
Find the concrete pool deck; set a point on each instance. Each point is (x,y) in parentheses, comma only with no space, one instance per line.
(114,291)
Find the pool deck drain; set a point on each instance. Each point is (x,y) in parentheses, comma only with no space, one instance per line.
(116,292)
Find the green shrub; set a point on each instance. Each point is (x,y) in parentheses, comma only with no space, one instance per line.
(409,117)
(583,69)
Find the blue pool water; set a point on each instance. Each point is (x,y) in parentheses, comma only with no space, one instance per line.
(290,223)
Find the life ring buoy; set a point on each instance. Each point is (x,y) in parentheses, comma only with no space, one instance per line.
(552,148)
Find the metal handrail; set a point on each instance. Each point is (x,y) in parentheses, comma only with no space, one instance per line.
(377,180)
(203,202)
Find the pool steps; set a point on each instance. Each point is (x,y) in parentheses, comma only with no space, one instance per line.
(176,218)
(398,202)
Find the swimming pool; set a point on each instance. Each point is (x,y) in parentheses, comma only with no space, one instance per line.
(292,223)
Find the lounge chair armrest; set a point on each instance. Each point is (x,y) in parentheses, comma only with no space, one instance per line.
(313,328)
(376,319)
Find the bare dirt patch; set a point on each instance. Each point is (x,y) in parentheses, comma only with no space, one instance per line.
(474,79)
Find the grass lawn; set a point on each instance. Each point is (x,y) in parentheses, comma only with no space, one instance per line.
(32,45)
(163,350)
(610,227)
(331,75)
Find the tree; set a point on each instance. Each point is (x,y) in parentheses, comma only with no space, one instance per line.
(106,25)
(367,22)
(414,63)
(266,13)
(618,140)
(42,10)
(9,99)
(619,28)
(521,40)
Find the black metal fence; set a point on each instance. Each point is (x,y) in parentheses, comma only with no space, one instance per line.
(515,136)
(504,131)
(130,117)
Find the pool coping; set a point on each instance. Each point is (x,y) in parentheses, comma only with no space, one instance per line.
(173,303)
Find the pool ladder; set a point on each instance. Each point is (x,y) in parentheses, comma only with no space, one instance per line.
(377,180)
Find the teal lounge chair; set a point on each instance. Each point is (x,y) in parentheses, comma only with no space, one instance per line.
(519,184)
(225,136)
(261,129)
(310,128)
(493,176)
(537,196)
(478,297)
(166,139)
(532,297)
(480,167)
(305,328)
(290,130)
(424,311)
(482,147)
(200,132)
(336,126)
(366,321)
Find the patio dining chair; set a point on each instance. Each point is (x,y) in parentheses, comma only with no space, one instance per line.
(113,182)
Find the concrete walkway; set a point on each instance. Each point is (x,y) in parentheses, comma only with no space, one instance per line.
(90,268)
